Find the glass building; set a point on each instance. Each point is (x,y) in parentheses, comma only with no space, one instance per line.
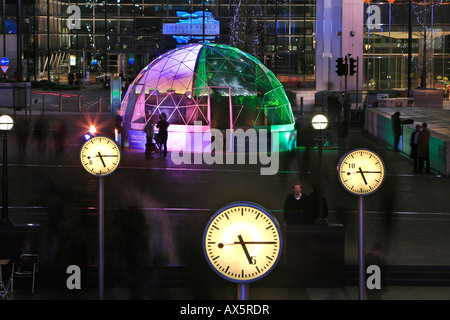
(386,45)
(123,36)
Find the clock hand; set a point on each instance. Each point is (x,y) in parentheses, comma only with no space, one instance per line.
(362,174)
(106,155)
(100,155)
(221,245)
(241,241)
(349,173)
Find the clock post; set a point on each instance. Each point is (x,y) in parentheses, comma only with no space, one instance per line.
(361,252)
(101,223)
(242,243)
(361,172)
(100,156)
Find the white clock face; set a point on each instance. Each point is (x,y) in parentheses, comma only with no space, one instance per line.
(100,156)
(242,242)
(361,172)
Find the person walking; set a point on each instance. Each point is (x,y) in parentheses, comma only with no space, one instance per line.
(313,215)
(423,149)
(162,125)
(22,131)
(414,146)
(149,130)
(397,129)
(41,131)
(60,136)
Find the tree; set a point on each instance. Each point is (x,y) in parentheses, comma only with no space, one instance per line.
(246,26)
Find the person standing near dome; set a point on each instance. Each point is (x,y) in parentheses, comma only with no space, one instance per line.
(162,125)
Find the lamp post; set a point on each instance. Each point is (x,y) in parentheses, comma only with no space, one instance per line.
(320,123)
(6,124)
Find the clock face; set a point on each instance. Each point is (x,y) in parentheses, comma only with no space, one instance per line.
(242,242)
(100,156)
(361,172)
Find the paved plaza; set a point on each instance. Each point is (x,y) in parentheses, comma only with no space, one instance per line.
(156,212)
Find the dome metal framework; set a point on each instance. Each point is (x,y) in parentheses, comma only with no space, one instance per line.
(214,85)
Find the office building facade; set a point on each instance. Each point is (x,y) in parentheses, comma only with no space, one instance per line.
(123,36)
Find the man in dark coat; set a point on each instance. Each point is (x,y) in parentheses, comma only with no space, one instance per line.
(396,129)
(423,148)
(295,206)
(313,210)
(414,146)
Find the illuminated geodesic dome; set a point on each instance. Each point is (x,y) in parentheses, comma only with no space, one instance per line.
(216,85)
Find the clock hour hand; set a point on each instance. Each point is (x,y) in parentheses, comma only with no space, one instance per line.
(241,241)
(362,174)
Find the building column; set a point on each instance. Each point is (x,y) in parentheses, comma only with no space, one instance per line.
(339,32)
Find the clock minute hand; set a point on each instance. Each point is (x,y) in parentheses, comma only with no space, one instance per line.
(101,158)
(241,241)
(362,174)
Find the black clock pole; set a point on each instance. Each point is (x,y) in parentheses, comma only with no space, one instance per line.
(100,239)
(362,282)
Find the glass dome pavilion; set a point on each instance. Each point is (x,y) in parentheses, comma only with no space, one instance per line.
(214,85)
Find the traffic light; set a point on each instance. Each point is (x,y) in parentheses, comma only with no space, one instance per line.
(353,66)
(341,67)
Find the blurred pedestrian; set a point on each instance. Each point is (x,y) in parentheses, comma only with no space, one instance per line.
(397,129)
(60,136)
(295,205)
(334,108)
(414,146)
(149,145)
(342,133)
(71,78)
(423,149)
(79,78)
(312,212)
(22,129)
(162,125)
(347,106)
(41,131)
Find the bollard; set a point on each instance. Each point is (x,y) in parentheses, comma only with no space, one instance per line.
(43,102)
(99,104)
(60,103)
(79,103)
